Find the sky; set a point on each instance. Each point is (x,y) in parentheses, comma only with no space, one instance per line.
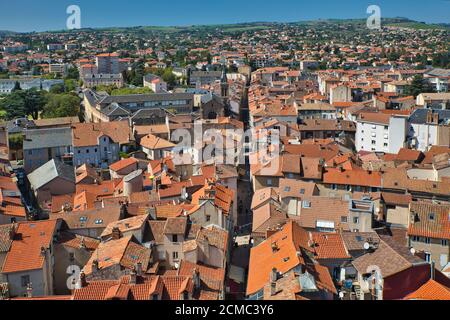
(45,15)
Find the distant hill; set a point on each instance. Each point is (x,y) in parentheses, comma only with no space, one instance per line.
(252,26)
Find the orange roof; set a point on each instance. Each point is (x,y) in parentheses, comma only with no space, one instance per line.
(371,117)
(88,134)
(104,189)
(354,177)
(329,246)
(122,164)
(25,252)
(431,290)
(153,142)
(438,227)
(263,258)
(223,198)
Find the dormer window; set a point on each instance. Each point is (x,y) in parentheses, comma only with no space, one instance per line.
(431,216)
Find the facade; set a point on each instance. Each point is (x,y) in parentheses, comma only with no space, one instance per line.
(101,108)
(42,145)
(7,85)
(380,133)
(108,63)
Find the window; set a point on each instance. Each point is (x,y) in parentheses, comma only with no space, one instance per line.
(71,256)
(427,240)
(416,239)
(175,255)
(334,187)
(427,257)
(87,151)
(208,218)
(174,238)
(431,216)
(385,145)
(269,182)
(355,220)
(287,189)
(155,297)
(344,219)
(444,242)
(30,152)
(25,280)
(374,142)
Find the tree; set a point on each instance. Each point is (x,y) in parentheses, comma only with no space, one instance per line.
(70,85)
(34,102)
(16,87)
(73,73)
(62,105)
(169,77)
(23,103)
(57,88)
(418,85)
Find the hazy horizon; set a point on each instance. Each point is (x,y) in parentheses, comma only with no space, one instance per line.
(45,15)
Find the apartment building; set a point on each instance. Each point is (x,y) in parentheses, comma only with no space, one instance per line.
(108,63)
(377,132)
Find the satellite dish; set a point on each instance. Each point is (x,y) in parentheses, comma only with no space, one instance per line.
(341,294)
(413,251)
(177,266)
(366,246)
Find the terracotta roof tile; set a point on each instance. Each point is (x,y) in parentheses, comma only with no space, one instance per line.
(25,252)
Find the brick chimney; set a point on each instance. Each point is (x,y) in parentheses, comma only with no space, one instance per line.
(116,233)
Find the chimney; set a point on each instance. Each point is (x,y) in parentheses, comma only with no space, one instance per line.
(433,270)
(429,116)
(273,288)
(133,276)
(95,266)
(82,281)
(82,243)
(30,290)
(116,233)
(196,279)
(12,233)
(274,275)
(124,209)
(139,269)
(436,118)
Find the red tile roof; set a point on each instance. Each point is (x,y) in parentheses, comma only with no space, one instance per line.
(431,290)
(25,252)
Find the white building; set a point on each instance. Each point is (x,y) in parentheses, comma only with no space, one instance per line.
(376,132)
(155,83)
(429,128)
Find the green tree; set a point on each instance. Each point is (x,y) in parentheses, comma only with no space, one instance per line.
(23,103)
(57,88)
(73,73)
(418,85)
(61,105)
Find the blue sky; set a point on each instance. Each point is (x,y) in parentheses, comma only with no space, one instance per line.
(41,15)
